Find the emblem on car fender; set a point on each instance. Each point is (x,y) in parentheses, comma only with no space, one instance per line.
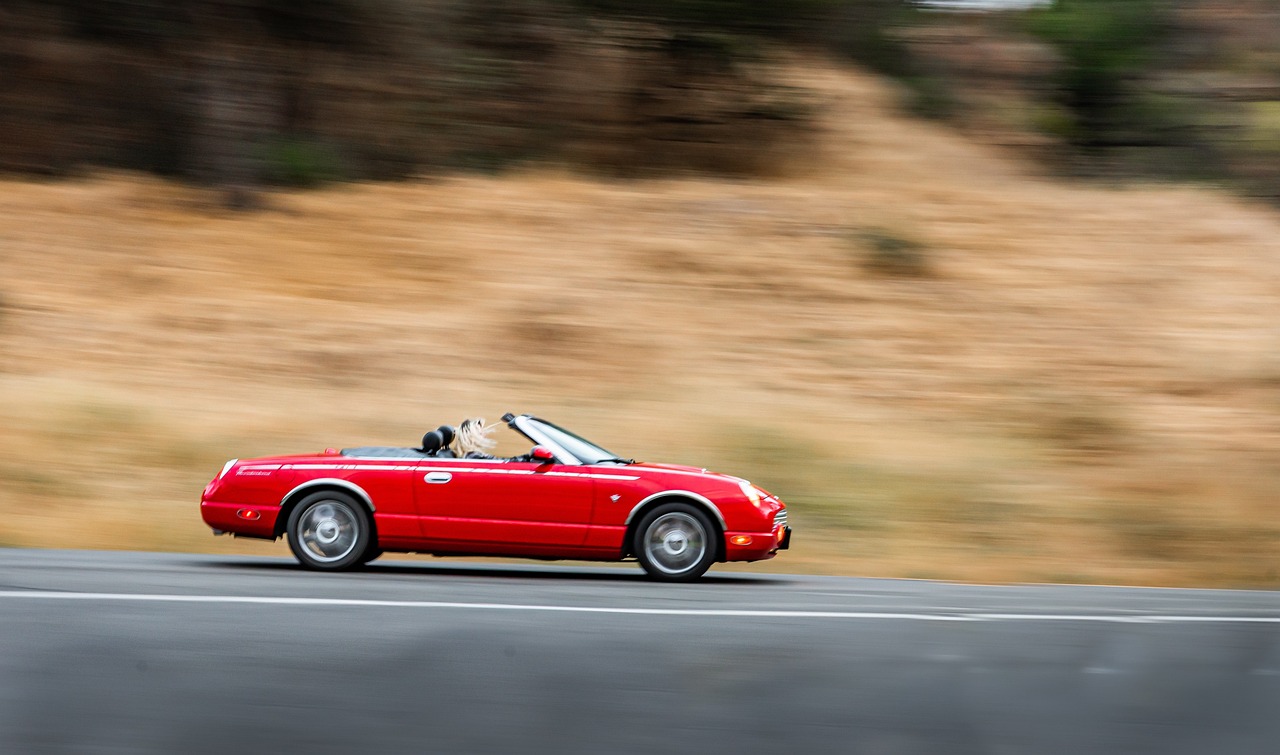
(614,497)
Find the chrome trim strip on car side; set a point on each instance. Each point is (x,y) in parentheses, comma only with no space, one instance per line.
(354,488)
(355,467)
(687,494)
(534,472)
(476,470)
(424,459)
(593,475)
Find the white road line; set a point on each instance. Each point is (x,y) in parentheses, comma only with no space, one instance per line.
(698,612)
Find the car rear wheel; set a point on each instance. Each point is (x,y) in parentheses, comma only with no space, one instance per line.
(674,543)
(329,531)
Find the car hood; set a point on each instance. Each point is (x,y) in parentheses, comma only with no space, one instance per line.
(665,467)
(682,469)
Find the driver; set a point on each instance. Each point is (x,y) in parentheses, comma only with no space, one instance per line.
(472,439)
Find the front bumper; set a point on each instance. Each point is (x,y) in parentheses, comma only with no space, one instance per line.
(756,546)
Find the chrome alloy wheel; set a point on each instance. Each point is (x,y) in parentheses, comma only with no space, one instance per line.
(675,542)
(329,531)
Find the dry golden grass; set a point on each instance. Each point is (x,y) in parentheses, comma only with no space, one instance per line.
(1083,383)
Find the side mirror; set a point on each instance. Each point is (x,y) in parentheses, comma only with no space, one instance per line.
(542,454)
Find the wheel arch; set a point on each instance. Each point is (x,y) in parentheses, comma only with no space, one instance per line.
(293,497)
(651,502)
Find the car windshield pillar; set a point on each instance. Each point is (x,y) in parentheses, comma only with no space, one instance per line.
(562,441)
(531,429)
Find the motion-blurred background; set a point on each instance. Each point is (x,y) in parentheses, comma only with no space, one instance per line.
(985,291)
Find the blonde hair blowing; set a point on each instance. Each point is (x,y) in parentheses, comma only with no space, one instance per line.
(473,436)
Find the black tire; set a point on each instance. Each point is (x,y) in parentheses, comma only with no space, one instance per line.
(370,553)
(329,531)
(675,543)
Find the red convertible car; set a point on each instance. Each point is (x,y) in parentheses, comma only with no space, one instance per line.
(568,498)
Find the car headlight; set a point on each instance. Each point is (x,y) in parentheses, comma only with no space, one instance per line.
(750,492)
(227,467)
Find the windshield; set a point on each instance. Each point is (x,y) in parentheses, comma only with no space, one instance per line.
(585,451)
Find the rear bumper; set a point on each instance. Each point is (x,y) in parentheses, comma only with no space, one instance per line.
(240,519)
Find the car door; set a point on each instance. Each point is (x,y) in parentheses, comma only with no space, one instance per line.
(479,505)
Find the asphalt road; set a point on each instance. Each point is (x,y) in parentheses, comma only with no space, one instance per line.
(166,653)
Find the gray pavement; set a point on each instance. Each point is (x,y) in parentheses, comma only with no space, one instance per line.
(168,653)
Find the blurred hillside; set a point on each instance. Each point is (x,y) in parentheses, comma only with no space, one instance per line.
(722,234)
(948,364)
(1169,89)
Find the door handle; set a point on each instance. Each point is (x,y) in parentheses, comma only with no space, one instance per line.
(437,477)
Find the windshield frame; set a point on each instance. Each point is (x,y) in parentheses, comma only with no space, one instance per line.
(567,446)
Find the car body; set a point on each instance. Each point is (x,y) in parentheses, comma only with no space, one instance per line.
(567,499)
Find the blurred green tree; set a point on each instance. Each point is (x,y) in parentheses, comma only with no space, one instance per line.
(1106,47)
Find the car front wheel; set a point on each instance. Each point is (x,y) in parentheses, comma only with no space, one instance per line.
(674,543)
(329,531)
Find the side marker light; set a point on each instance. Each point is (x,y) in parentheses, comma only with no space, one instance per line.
(740,540)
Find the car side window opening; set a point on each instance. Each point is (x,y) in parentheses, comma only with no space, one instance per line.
(471,439)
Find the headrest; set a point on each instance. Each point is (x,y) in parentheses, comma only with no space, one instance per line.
(447,434)
(432,442)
